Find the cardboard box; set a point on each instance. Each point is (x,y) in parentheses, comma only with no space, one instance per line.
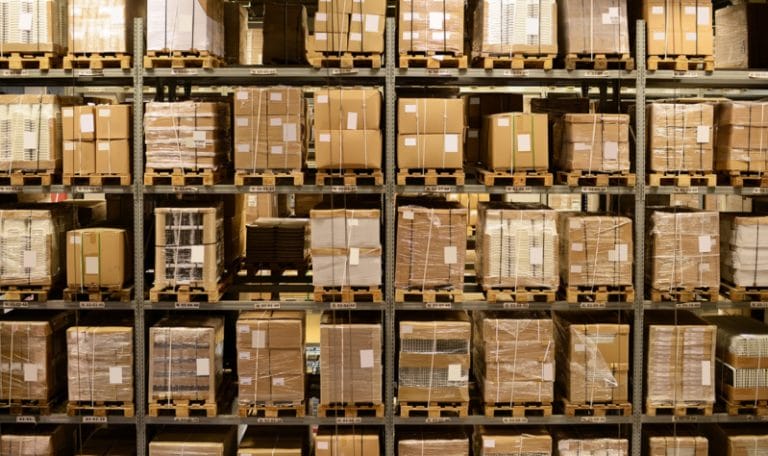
(42,440)
(39,27)
(595,250)
(345,228)
(419,116)
(346,441)
(516,142)
(432,445)
(39,116)
(737,440)
(430,151)
(337,23)
(604,445)
(680,137)
(199,441)
(366,30)
(78,123)
(96,257)
(99,26)
(113,122)
(429,26)
(347,109)
(256,443)
(744,242)
(513,27)
(254,46)
(100,363)
(680,444)
(201,27)
(497,442)
(738,40)
(79,157)
(600,29)
(352,267)
(682,27)
(742,136)
(348,149)
(113,157)
(331,42)
(595,142)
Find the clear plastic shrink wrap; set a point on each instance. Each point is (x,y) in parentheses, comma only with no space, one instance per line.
(504,442)
(744,252)
(594,27)
(431,26)
(680,137)
(31,132)
(595,142)
(742,136)
(515,27)
(595,250)
(100,363)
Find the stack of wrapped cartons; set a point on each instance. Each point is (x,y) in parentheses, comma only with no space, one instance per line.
(270,128)
(430,133)
(431,245)
(350,365)
(679,28)
(270,442)
(579,445)
(744,253)
(433,444)
(515,27)
(346,247)
(477,106)
(742,358)
(276,241)
(96,140)
(738,440)
(344,26)
(96,258)
(593,358)
(517,246)
(31,129)
(270,362)
(498,442)
(99,26)
(254,46)
(682,442)
(514,359)
(742,137)
(594,143)
(34,26)
(100,364)
(680,137)
(432,27)
(739,38)
(185,359)
(42,440)
(434,358)
(186,25)
(515,142)
(348,128)
(346,441)
(680,360)
(599,27)
(186,135)
(197,441)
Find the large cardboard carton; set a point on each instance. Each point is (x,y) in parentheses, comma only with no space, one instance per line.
(595,142)
(738,39)
(113,157)
(113,122)
(366,29)
(348,149)
(420,116)
(600,28)
(742,136)
(78,123)
(431,26)
(595,250)
(659,445)
(497,442)
(257,443)
(200,441)
(430,151)
(100,363)
(347,109)
(682,27)
(79,157)
(346,441)
(99,26)
(514,27)
(96,257)
(429,445)
(516,142)
(680,136)
(37,119)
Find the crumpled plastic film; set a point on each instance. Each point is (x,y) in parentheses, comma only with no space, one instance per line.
(744,252)
(595,142)
(680,137)
(431,26)
(100,363)
(595,250)
(30,137)
(594,26)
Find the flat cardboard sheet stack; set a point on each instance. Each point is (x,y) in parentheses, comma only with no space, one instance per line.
(347,441)
(430,133)
(96,139)
(434,358)
(595,142)
(515,142)
(270,362)
(515,27)
(498,442)
(186,135)
(680,137)
(595,250)
(738,440)
(34,26)
(31,126)
(277,241)
(680,359)
(186,25)
(99,26)
(479,105)
(682,27)
(348,128)
(598,446)
(431,26)
(594,27)
(739,38)
(744,253)
(681,443)
(517,246)
(432,445)
(514,358)
(96,257)
(270,128)
(254,46)
(196,441)
(100,363)
(742,136)
(344,26)
(43,440)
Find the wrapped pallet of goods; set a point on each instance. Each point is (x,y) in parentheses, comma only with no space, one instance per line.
(194,441)
(595,33)
(738,440)
(32,138)
(674,441)
(680,34)
(516,145)
(577,444)
(347,33)
(679,363)
(514,362)
(743,266)
(34,33)
(739,38)
(97,264)
(742,141)
(355,441)
(431,33)
(433,444)
(502,442)
(100,33)
(515,34)
(42,440)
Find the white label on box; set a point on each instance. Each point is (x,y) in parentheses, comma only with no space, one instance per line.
(657,10)
(613,11)
(244,355)
(188,143)
(91,265)
(610,20)
(322,445)
(30,140)
(690,36)
(580,146)
(439,36)
(86,123)
(659,36)
(325,137)
(408,215)
(319,36)
(410,142)
(320,17)
(705,244)
(536,256)
(371,23)
(575,224)
(29,259)
(102,146)
(243,329)
(244,148)
(578,347)
(67,112)
(245,380)
(451,143)
(547,372)
(577,247)
(618,254)
(610,150)
(353,222)
(436,20)
(450,255)
(502,122)
(275,96)
(290,132)
(524,143)
(690,10)
(407,16)
(278,381)
(357,17)
(258,339)
(321,99)
(351,121)
(30,372)
(196,253)
(532,26)
(355,36)
(473,133)
(410,108)
(705,374)
(366,359)
(241,121)
(406,329)
(199,135)
(276,150)
(702,134)
(203,366)
(703,267)
(576,269)
(115,375)
(25,21)
(74,240)
(68,145)
(704,17)
(489,443)
(354,256)
(275,122)
(105,113)
(454,373)
(242,95)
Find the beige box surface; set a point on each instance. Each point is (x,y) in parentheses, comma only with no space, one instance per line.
(421,116)
(36,119)
(430,151)
(513,27)
(113,157)
(79,157)
(433,445)
(680,136)
(595,250)
(600,29)
(347,109)
(595,142)
(602,445)
(99,26)
(744,244)
(742,136)
(428,25)
(680,27)
(100,363)
(259,444)
(516,142)
(38,26)
(366,30)
(496,442)
(78,123)
(665,445)
(43,440)
(353,267)
(197,441)
(113,122)
(201,27)
(349,442)
(739,440)
(738,38)
(96,257)
(348,149)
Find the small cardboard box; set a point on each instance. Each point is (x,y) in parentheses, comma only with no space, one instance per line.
(430,151)
(516,142)
(349,149)
(79,157)
(113,122)
(78,123)
(96,257)
(113,157)
(366,31)
(347,109)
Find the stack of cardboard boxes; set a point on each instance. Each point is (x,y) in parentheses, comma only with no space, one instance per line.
(100,26)
(742,136)
(679,28)
(595,142)
(738,440)
(96,140)
(515,142)
(100,364)
(744,242)
(96,258)
(31,126)
(436,444)
(477,106)
(42,440)
(199,28)
(254,46)
(578,445)
(198,441)
(34,26)
(430,133)
(515,27)
(344,26)
(497,442)
(347,441)
(680,137)
(658,444)
(429,26)
(598,28)
(348,128)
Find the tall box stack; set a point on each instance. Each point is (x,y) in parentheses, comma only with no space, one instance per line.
(433,363)
(742,137)
(514,27)
(432,444)
(347,441)
(96,258)
(99,26)
(515,142)
(346,247)
(738,440)
(100,364)
(189,246)
(430,133)
(42,440)
(680,360)
(582,446)
(197,441)
(348,128)
(350,26)
(186,135)
(680,137)
(350,367)
(595,143)
(429,26)
(738,38)
(270,128)
(497,442)
(598,28)
(680,443)
(186,359)
(681,27)
(595,250)
(479,105)
(742,358)
(431,245)
(96,140)
(270,362)
(592,358)
(514,359)
(200,28)
(34,26)
(684,249)
(517,246)
(744,251)
(32,129)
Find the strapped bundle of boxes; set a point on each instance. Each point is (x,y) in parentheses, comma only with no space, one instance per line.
(431,33)
(42,440)
(500,442)
(348,33)
(99,33)
(744,242)
(355,441)
(515,145)
(680,35)
(194,440)
(97,265)
(577,443)
(660,443)
(477,106)
(34,33)
(595,35)
(742,142)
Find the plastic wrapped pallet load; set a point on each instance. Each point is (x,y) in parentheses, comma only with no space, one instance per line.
(680,137)
(31,127)
(742,137)
(744,252)
(680,443)
(503,442)
(597,446)
(99,26)
(186,25)
(41,440)
(194,441)
(595,142)
(428,26)
(594,27)
(100,364)
(595,250)
(739,38)
(34,26)
(506,27)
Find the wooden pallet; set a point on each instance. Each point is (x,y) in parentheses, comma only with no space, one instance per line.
(348,294)
(736,408)
(599,294)
(344,60)
(349,177)
(681,63)
(516,61)
(97,61)
(743,294)
(100,408)
(434,409)
(182,177)
(515,179)
(418,295)
(519,294)
(95,294)
(737,179)
(181,59)
(24,292)
(599,62)
(18,61)
(350,410)
(26,407)
(271,410)
(430,177)
(96,179)
(500,409)
(183,408)
(686,295)
(704,409)
(187,293)
(276,270)
(682,179)
(595,179)
(595,409)
(268,177)
(37,178)
(433,61)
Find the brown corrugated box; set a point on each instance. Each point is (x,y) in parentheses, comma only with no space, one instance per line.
(40,148)
(430,151)
(113,157)
(433,445)
(738,440)
(366,29)
(348,149)
(597,28)
(514,27)
(599,445)
(347,109)
(331,23)
(197,441)
(742,136)
(421,116)
(78,123)
(431,26)
(45,31)
(678,444)
(739,40)
(96,257)
(348,442)
(100,363)
(679,27)
(498,442)
(42,440)
(595,142)
(595,250)
(516,142)
(79,157)
(680,136)
(113,122)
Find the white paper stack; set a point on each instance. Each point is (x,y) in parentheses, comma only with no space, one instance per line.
(744,257)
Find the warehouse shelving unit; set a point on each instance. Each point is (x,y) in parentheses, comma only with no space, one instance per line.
(738,83)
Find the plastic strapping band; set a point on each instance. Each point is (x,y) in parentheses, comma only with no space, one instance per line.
(432,354)
(93,365)
(514,364)
(430,216)
(592,144)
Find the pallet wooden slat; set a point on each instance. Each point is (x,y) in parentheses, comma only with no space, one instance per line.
(738,179)
(686,295)
(419,295)
(493,410)
(430,176)
(736,408)
(182,177)
(21,293)
(188,293)
(27,407)
(349,177)
(682,179)
(681,63)
(100,408)
(182,59)
(599,294)
(596,179)
(433,61)
(350,410)
(270,177)
(271,410)
(344,60)
(16,178)
(434,409)
(183,409)
(96,179)
(743,294)
(98,294)
(599,62)
(348,294)
(682,409)
(516,179)
(17,61)
(597,409)
(97,61)
(519,294)
(516,61)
